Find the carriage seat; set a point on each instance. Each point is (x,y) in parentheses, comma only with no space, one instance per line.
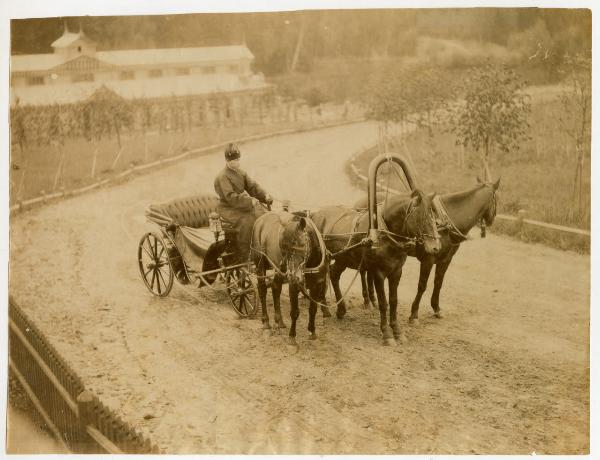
(192,211)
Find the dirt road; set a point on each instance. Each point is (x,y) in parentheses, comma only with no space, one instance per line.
(506,370)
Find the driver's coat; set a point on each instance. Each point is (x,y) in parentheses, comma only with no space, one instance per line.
(236,189)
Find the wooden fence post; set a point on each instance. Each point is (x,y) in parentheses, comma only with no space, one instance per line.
(520,217)
(84,404)
(93,173)
(59,168)
(114,163)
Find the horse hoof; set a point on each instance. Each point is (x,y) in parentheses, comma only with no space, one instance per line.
(438,314)
(292,341)
(401,339)
(413,321)
(266,326)
(313,336)
(282,325)
(340,313)
(326,312)
(389,342)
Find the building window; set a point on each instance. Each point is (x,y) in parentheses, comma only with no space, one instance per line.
(127,75)
(210,69)
(155,73)
(79,49)
(83,77)
(31,81)
(182,71)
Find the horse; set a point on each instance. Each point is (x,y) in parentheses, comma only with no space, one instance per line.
(407,219)
(290,245)
(459,212)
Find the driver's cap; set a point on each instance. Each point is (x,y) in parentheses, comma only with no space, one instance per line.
(232,152)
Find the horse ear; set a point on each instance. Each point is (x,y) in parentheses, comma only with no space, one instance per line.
(416,194)
(302,223)
(497,184)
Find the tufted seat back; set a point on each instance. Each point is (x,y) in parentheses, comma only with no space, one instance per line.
(191,211)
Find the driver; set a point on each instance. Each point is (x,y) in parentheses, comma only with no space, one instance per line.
(236,190)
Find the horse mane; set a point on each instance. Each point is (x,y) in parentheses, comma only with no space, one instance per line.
(285,237)
(419,193)
(460,195)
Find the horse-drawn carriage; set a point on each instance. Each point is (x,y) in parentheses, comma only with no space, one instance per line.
(192,246)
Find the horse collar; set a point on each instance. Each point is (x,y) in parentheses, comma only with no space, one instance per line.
(455,234)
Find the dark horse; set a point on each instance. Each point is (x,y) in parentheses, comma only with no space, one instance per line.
(290,245)
(458,213)
(403,219)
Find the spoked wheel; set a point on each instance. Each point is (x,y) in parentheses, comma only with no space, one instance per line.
(242,292)
(154,265)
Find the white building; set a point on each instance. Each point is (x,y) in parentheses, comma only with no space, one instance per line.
(76,70)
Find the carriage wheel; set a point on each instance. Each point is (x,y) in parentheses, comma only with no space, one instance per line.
(242,292)
(154,265)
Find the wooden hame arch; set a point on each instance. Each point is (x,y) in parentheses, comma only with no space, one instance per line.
(372,187)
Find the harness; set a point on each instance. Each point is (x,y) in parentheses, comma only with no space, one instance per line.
(406,243)
(446,221)
(286,255)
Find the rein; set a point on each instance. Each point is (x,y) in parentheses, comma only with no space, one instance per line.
(410,241)
(394,238)
(449,224)
(307,251)
(447,220)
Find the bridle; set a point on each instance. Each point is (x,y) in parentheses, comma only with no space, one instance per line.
(491,210)
(420,236)
(295,256)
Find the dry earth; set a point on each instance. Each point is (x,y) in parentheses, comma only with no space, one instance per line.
(506,370)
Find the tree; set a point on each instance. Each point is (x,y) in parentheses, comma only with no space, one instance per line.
(575,118)
(494,112)
(413,95)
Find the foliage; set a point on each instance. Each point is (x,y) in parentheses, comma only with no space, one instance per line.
(577,101)
(329,34)
(314,97)
(410,94)
(575,119)
(494,112)
(534,178)
(107,115)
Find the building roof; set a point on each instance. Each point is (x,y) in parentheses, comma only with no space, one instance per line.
(174,55)
(127,58)
(134,89)
(35,62)
(67,39)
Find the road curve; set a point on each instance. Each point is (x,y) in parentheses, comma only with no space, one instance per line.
(506,371)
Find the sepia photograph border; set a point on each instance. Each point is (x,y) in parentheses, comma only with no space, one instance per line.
(39,8)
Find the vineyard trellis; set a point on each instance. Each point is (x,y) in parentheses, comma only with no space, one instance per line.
(63,147)
(106,114)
